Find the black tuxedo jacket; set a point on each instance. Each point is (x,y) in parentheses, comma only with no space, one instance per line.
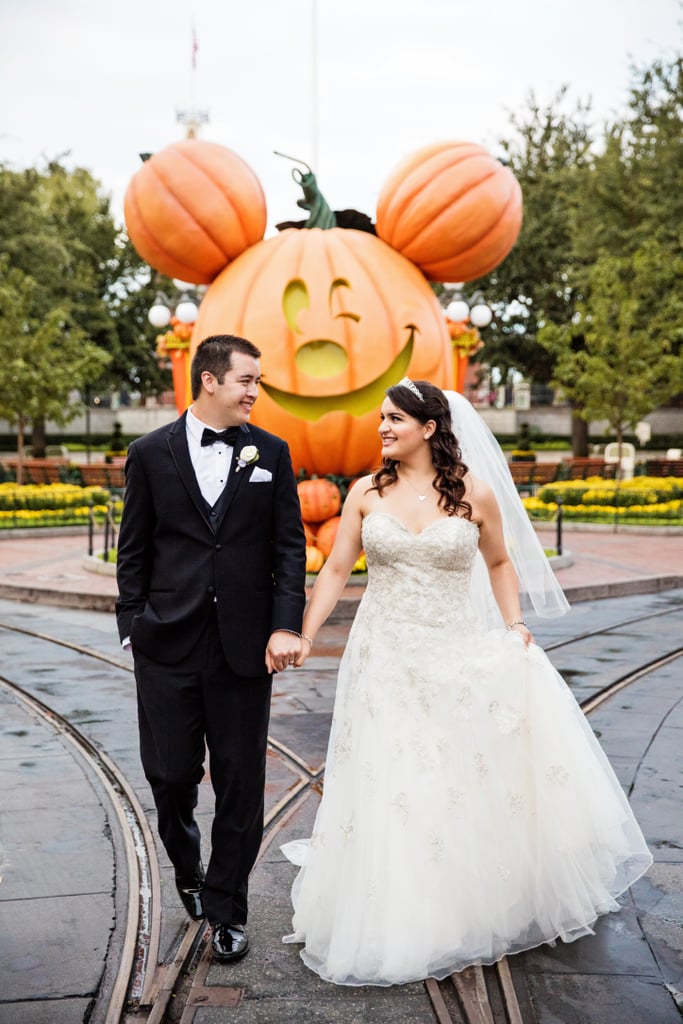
(175,559)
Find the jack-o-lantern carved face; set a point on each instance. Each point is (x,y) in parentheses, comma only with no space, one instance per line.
(339,316)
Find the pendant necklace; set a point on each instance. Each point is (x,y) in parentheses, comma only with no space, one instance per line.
(420,497)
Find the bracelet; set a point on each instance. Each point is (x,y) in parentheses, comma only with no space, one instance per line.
(517,622)
(302,636)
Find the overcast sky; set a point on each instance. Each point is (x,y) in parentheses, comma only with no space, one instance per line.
(350,87)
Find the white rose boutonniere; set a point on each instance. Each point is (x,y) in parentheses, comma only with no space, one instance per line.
(247,457)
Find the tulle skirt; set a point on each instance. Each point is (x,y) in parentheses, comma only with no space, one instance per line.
(468,813)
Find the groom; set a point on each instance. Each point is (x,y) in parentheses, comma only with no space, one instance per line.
(211,574)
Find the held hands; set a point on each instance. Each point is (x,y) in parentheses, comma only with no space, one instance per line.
(286,649)
(306,647)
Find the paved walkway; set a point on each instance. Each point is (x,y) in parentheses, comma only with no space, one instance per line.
(53,567)
(61,865)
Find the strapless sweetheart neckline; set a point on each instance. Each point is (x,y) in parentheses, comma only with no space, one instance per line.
(435,522)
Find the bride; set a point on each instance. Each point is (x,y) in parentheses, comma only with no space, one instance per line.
(468,811)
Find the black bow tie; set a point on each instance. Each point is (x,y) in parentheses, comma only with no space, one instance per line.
(228,436)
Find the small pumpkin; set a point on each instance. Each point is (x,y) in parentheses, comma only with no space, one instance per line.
(326,535)
(320,500)
(192,208)
(314,558)
(309,533)
(451,208)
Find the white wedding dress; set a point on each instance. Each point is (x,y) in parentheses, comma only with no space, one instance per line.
(468,810)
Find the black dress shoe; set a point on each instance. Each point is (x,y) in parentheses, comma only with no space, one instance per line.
(190,889)
(229,942)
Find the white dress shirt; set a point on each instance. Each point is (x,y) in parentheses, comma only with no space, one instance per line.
(210,463)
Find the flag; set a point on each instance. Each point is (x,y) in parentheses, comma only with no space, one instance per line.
(195,48)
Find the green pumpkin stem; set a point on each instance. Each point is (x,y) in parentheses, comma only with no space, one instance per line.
(319,213)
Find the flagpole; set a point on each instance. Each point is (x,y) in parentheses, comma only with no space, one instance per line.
(193,71)
(193,118)
(314,85)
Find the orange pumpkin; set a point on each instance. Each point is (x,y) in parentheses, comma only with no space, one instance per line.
(192,208)
(320,499)
(314,558)
(339,316)
(183,331)
(309,533)
(326,535)
(452,209)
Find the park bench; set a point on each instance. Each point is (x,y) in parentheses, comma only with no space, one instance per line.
(545,473)
(579,467)
(528,476)
(98,474)
(664,467)
(40,471)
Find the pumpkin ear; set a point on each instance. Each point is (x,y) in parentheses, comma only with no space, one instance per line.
(192,208)
(452,209)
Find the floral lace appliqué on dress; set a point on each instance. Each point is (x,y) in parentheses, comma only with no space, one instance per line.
(463,789)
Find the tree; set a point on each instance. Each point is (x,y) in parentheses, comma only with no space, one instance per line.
(617,358)
(587,199)
(44,355)
(626,231)
(550,155)
(635,193)
(56,227)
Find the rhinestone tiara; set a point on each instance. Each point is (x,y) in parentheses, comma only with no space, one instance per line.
(408,383)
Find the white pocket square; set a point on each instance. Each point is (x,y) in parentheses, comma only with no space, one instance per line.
(260,476)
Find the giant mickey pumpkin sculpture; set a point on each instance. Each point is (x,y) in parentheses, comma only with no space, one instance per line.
(339,314)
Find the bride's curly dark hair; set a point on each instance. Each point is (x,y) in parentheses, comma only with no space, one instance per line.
(446,455)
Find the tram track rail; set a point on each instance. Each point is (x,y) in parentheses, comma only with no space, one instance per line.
(141,929)
(143,987)
(615,627)
(141,983)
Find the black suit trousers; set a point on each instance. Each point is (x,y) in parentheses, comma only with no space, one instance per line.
(182,710)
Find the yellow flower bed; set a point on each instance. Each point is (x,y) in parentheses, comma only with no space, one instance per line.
(53,505)
(50,496)
(645,499)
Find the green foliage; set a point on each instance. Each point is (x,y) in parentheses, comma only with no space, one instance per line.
(550,155)
(71,284)
(43,351)
(602,229)
(617,358)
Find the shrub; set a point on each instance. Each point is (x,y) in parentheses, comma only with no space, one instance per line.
(642,500)
(53,505)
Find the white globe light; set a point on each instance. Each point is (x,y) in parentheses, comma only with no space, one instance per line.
(481,315)
(159,315)
(186,311)
(458,311)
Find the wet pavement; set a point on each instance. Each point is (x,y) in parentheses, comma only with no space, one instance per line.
(58,894)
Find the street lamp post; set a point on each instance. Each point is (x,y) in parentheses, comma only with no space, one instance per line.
(466,316)
(179,316)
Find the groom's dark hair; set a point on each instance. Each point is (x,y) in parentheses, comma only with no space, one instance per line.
(215,355)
